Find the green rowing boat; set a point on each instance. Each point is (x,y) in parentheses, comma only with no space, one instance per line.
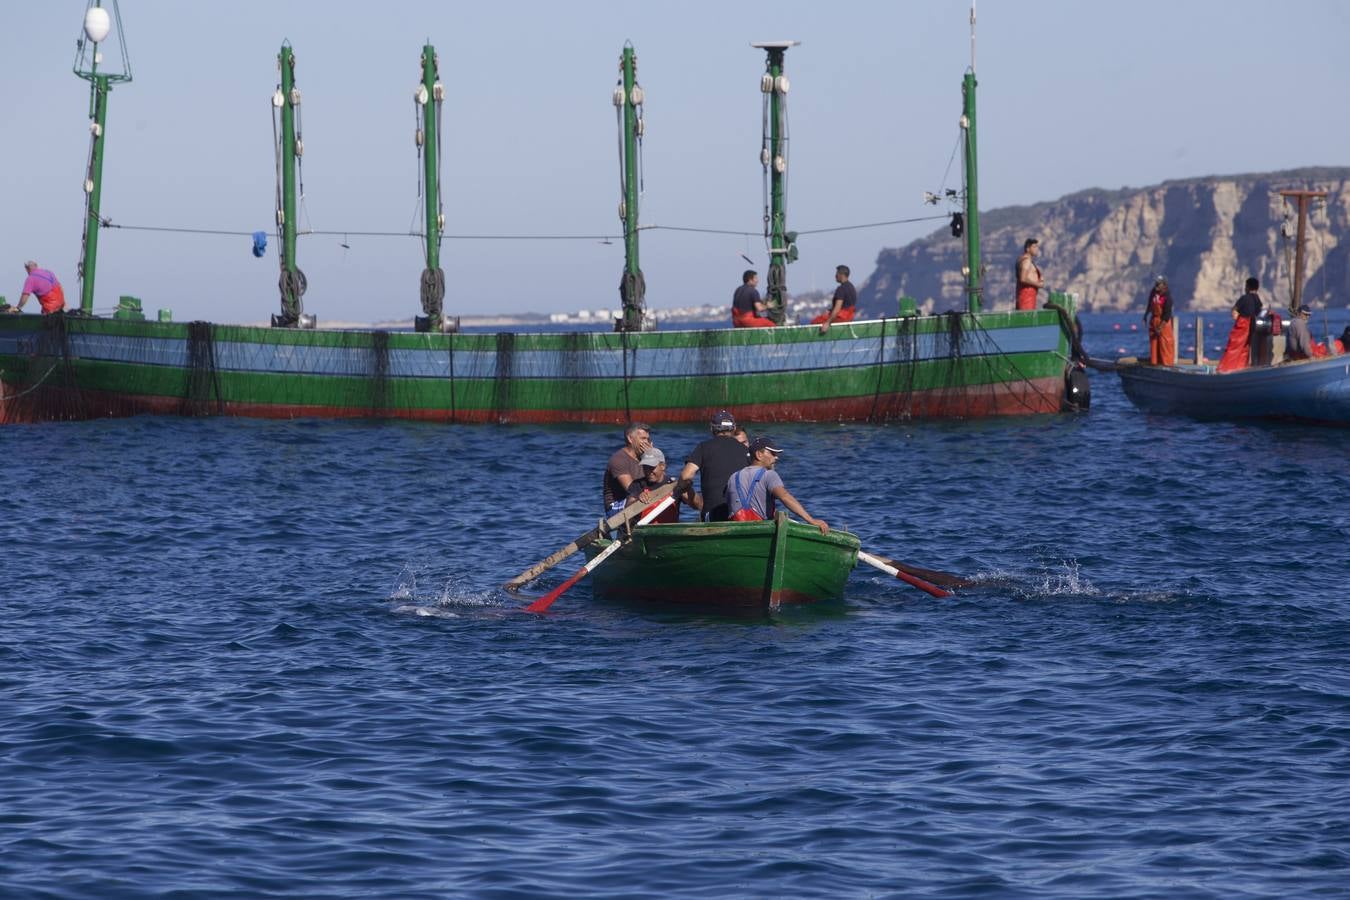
(727,565)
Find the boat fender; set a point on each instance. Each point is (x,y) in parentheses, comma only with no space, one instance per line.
(1077,389)
(259,243)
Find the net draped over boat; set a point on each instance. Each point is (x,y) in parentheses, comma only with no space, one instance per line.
(949,365)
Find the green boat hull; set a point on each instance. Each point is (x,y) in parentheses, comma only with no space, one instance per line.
(727,565)
(953,365)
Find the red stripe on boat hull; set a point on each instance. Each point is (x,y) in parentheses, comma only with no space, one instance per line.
(1030,397)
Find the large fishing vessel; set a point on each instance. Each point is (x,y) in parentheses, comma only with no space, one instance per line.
(963,363)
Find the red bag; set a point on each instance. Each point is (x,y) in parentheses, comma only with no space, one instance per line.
(746,515)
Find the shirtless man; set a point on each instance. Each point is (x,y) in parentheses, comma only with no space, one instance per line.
(1029,280)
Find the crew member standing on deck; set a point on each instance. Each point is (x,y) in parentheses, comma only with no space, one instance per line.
(1237,355)
(747,310)
(1162,340)
(623,468)
(714,460)
(843,305)
(1028,274)
(44,286)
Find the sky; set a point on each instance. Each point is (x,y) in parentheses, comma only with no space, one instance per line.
(1072,95)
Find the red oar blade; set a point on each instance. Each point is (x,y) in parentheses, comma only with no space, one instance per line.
(546,601)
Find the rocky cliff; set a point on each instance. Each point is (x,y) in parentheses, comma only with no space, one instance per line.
(1207,235)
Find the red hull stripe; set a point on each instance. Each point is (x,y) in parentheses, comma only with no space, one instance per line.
(1035,396)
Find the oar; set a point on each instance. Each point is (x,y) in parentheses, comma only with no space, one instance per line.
(546,601)
(943,579)
(615,521)
(903,576)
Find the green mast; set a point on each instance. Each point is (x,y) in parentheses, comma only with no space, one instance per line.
(292,282)
(773,155)
(88,55)
(628,98)
(430,97)
(974,268)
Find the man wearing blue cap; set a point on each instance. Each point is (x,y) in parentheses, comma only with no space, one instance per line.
(715,460)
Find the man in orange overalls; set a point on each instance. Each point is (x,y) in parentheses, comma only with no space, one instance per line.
(44,286)
(1238,353)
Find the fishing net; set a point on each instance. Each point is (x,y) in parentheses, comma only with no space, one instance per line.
(952,365)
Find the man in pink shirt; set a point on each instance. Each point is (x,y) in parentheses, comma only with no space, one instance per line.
(44,286)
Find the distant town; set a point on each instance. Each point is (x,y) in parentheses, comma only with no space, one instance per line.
(800,308)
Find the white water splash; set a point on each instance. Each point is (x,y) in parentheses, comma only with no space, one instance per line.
(414,599)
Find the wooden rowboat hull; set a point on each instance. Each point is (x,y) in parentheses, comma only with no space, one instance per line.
(727,565)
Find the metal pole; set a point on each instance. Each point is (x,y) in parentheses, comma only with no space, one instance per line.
(99,88)
(632,304)
(776,290)
(431,151)
(974,265)
(290,299)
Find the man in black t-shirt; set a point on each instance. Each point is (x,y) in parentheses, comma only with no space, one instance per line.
(844,303)
(1238,353)
(747,310)
(715,460)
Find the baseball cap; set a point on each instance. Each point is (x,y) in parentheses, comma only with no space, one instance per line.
(722,421)
(653,458)
(764,443)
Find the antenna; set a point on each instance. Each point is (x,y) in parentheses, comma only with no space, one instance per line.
(972,35)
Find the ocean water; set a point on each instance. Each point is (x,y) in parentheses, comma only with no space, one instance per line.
(271,659)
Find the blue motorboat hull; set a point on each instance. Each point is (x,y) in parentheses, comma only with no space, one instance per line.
(1316,390)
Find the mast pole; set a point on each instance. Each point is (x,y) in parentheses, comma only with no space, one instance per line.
(773,156)
(292,282)
(632,289)
(1303,197)
(974,269)
(98,25)
(430,96)
(98,100)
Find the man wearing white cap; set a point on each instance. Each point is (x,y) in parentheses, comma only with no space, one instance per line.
(653,464)
(755,490)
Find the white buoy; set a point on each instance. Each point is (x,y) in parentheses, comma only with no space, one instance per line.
(97,24)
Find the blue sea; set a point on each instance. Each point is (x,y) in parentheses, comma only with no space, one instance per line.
(251,658)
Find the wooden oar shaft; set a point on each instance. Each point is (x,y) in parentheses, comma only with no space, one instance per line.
(546,601)
(946,579)
(615,521)
(917,582)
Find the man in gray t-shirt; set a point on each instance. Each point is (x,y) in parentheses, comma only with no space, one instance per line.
(754,492)
(1298,340)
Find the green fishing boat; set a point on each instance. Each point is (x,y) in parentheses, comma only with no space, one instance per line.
(962,363)
(735,566)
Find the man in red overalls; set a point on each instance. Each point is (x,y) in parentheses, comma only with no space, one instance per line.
(44,285)
(1029,280)
(1237,355)
(747,310)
